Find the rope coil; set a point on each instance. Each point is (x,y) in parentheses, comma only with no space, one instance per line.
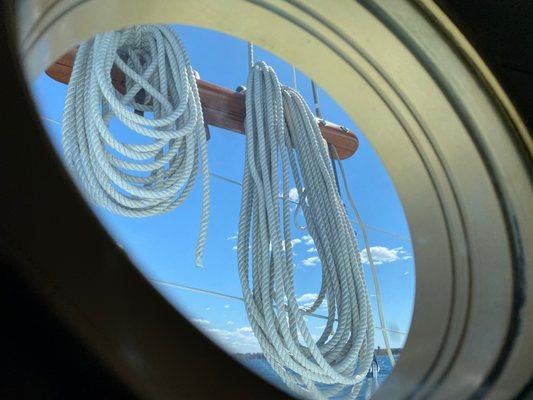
(278,119)
(156,173)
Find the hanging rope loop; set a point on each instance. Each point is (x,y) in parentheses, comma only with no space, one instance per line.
(282,137)
(153,172)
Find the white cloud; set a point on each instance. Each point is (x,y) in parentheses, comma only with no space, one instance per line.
(308,240)
(232,237)
(406,273)
(208,309)
(307,297)
(229,322)
(199,321)
(294,242)
(311,261)
(307,300)
(234,248)
(311,250)
(383,255)
(226,306)
(241,340)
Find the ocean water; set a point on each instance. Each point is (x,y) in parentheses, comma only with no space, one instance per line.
(262,368)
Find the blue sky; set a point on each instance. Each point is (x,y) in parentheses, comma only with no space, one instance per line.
(163,246)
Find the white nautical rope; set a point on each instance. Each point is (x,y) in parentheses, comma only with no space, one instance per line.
(335,364)
(154,174)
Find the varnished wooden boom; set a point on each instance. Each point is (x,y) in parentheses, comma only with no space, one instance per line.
(222,107)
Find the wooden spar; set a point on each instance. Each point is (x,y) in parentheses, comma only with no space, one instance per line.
(222,107)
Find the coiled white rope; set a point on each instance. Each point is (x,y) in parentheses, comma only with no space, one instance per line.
(335,364)
(156,172)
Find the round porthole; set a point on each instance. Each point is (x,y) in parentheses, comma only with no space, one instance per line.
(451,141)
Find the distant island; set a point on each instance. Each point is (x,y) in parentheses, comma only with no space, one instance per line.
(383,352)
(249,356)
(261,356)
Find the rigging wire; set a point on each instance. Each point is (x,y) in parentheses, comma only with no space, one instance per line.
(238,298)
(373,269)
(237,183)
(294,81)
(318,114)
(335,158)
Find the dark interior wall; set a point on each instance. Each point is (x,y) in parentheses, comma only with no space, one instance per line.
(502,32)
(41,359)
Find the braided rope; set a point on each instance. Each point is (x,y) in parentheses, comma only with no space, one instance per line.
(156,173)
(278,120)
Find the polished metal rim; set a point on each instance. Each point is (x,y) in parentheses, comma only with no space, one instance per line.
(452,142)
